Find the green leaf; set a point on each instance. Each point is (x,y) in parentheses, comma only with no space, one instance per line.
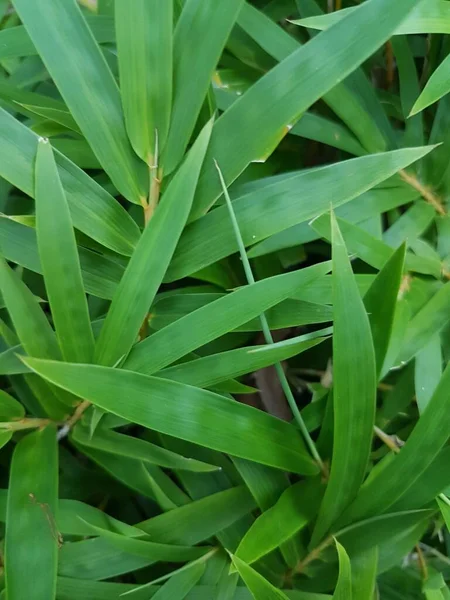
(100,274)
(216,319)
(428,371)
(94,211)
(436,87)
(428,322)
(236,431)
(30,322)
(318,128)
(364,573)
(409,89)
(179,585)
(10,409)
(393,482)
(278,205)
(379,530)
(144,47)
(372,250)
(266,485)
(410,224)
(343,589)
(200,35)
(148,264)
(381,301)
(366,206)
(354,390)
(31,538)
(15,41)
(445,510)
(147,549)
(78,151)
(290,514)
(35,334)
(256,583)
(262,116)
(60,263)
(145,479)
(211,370)
(342,99)
(427,17)
(87,86)
(289,313)
(124,445)
(430,484)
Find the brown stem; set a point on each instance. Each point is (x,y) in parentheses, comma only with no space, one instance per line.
(426,193)
(391,442)
(422,562)
(79,411)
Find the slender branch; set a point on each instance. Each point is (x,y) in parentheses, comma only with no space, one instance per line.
(422,562)
(313,555)
(267,333)
(73,420)
(426,193)
(24,424)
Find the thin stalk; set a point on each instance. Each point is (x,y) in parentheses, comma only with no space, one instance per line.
(426,192)
(267,333)
(155,182)
(24,424)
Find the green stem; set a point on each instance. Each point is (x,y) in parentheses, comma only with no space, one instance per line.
(266,330)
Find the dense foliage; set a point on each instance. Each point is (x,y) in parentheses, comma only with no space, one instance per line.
(225,317)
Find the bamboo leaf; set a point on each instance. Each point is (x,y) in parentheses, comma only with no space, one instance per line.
(278,205)
(428,371)
(234,432)
(445,510)
(144,45)
(178,586)
(101,275)
(426,17)
(94,211)
(9,407)
(200,35)
(429,321)
(290,514)
(33,329)
(148,264)
(364,573)
(60,263)
(211,370)
(414,459)
(31,535)
(147,549)
(381,301)
(343,589)
(87,86)
(312,70)
(204,325)
(256,583)
(354,390)
(437,86)
(124,445)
